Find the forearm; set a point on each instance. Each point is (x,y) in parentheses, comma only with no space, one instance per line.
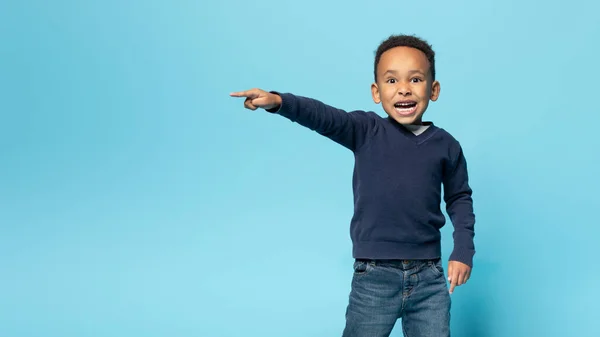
(460,211)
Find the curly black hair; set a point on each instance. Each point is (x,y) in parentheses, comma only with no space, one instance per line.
(406,41)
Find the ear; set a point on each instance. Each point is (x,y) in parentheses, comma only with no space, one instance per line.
(435,90)
(375,93)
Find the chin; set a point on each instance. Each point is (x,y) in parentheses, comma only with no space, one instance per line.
(410,119)
(407,121)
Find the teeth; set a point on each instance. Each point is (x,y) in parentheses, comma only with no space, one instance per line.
(406,110)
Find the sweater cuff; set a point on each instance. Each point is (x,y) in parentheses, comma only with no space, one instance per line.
(463,255)
(286,103)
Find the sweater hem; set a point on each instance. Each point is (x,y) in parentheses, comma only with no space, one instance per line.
(397,250)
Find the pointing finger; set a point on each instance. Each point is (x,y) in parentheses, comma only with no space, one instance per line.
(247,93)
(452,284)
(238,94)
(453,275)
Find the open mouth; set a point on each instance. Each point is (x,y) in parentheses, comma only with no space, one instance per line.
(405,108)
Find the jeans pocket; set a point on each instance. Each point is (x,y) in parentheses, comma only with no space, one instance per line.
(436,267)
(362,268)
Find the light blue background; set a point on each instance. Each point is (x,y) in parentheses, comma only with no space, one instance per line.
(138,199)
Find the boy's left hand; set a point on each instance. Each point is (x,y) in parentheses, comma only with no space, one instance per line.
(458,274)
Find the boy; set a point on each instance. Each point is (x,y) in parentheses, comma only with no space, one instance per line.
(401,163)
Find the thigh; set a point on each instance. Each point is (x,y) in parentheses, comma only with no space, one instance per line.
(375,301)
(427,309)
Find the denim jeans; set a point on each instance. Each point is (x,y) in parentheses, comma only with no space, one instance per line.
(384,291)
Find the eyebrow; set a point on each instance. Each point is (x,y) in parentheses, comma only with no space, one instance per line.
(414,71)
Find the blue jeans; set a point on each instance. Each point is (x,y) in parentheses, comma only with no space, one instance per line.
(384,291)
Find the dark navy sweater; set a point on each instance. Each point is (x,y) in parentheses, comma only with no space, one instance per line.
(397,182)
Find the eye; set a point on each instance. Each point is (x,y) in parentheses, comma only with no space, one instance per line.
(391,80)
(416,80)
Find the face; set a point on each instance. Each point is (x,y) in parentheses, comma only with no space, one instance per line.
(404,84)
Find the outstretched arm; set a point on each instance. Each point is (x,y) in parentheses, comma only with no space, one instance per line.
(350,129)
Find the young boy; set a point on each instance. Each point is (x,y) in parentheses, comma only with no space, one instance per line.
(401,163)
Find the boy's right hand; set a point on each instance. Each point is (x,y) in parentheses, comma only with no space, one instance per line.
(257,98)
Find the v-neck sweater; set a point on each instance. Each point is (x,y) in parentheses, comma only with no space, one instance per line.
(397,181)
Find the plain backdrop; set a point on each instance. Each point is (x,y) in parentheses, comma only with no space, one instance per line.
(138,199)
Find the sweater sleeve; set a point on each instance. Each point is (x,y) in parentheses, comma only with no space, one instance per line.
(459,206)
(349,129)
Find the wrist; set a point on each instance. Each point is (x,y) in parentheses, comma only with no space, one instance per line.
(276,98)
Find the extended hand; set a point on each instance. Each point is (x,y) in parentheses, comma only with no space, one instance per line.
(458,274)
(257,98)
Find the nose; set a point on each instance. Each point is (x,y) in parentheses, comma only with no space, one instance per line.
(403,89)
